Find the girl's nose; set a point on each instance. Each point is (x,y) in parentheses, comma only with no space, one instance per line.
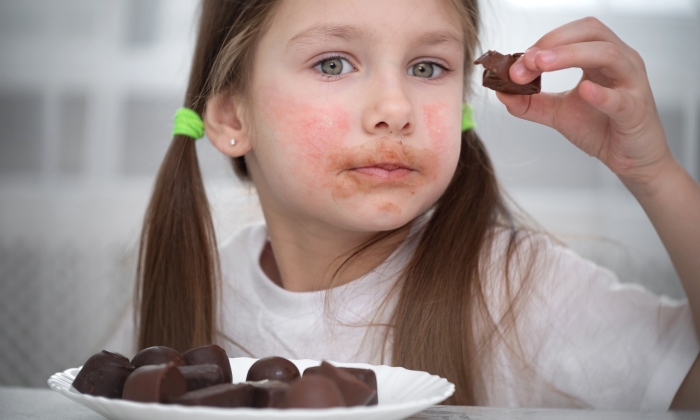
(389,109)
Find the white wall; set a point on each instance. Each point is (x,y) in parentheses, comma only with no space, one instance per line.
(87,92)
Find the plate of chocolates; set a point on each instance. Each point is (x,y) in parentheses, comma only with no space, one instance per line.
(204,383)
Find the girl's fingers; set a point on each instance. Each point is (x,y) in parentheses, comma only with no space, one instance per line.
(577,32)
(543,108)
(615,104)
(582,30)
(520,73)
(603,56)
(539,108)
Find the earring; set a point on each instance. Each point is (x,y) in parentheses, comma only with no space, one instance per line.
(233,142)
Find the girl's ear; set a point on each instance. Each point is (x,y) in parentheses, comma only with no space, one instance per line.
(223,123)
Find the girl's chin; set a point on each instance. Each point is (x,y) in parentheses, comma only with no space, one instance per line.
(387,217)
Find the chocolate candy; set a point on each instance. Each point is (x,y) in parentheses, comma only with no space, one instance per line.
(496,75)
(274,369)
(313,391)
(355,392)
(269,394)
(158,355)
(210,355)
(103,375)
(222,395)
(155,383)
(201,376)
(365,375)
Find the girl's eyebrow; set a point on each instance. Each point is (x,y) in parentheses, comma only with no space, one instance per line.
(351,33)
(340,32)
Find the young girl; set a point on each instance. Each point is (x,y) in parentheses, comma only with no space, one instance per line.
(386,237)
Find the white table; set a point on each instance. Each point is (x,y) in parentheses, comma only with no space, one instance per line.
(36,403)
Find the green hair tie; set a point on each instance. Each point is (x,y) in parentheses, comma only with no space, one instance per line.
(468,122)
(188,123)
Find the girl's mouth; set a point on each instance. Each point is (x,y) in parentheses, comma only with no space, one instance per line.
(388,171)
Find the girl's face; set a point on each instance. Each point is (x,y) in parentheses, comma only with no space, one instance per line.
(357,110)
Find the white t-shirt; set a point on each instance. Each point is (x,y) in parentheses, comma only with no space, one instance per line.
(587,340)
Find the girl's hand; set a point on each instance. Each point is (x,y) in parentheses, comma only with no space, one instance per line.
(610,114)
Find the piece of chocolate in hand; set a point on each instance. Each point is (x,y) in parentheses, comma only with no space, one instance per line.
(496,75)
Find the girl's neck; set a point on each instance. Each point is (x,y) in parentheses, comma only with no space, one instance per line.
(303,258)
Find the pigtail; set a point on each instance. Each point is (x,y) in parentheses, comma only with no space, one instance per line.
(178,275)
(178,271)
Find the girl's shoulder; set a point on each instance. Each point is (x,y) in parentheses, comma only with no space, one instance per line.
(537,273)
(572,318)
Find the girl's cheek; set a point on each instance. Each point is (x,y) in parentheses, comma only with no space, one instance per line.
(308,134)
(320,133)
(440,124)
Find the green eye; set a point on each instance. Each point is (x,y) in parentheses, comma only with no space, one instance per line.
(332,67)
(425,70)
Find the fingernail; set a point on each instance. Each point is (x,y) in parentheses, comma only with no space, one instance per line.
(547,56)
(530,53)
(519,69)
(594,90)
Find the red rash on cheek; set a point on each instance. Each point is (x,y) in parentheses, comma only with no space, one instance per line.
(309,132)
(435,116)
(320,132)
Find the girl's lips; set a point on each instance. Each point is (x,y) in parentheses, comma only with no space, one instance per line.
(384,171)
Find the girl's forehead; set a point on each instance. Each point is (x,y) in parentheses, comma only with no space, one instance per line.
(297,22)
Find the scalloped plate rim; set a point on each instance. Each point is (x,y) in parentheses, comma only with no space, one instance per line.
(58,381)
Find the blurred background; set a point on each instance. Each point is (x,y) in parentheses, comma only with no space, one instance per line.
(88,89)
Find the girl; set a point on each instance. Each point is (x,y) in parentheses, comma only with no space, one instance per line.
(386,237)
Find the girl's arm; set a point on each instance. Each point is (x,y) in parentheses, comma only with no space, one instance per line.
(611,114)
(671,199)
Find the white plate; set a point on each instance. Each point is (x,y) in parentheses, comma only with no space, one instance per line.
(402,392)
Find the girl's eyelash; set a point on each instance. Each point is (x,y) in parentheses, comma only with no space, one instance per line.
(329,58)
(445,70)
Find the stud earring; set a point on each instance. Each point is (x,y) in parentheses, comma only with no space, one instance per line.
(233,142)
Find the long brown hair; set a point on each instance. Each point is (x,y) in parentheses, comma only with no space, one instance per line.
(441,296)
